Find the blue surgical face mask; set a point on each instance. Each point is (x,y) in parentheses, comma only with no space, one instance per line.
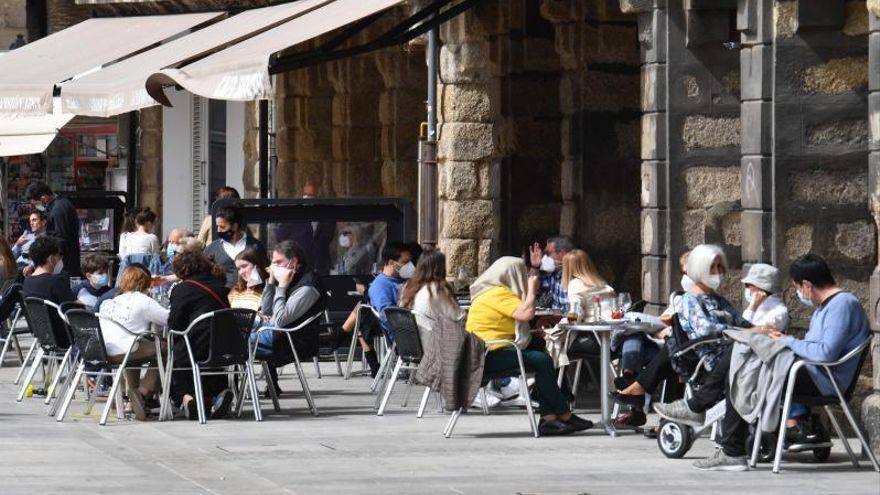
(171,250)
(806,302)
(102,280)
(41,208)
(747,295)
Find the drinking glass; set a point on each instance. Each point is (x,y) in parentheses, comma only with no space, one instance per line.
(624,300)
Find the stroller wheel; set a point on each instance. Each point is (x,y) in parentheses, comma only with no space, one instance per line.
(822,455)
(674,439)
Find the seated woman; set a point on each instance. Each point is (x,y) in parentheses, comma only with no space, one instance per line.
(96,268)
(502,305)
(201,290)
(702,313)
(766,310)
(248,289)
(357,259)
(135,311)
(429,295)
(142,240)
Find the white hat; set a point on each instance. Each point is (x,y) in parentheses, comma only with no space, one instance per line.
(764,277)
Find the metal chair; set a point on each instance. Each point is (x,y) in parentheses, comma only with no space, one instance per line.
(366,318)
(10,309)
(409,352)
(28,358)
(840,398)
(86,328)
(524,390)
(303,381)
(228,349)
(45,321)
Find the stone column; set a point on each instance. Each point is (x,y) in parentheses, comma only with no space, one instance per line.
(149,158)
(469,147)
(755,23)
(871,405)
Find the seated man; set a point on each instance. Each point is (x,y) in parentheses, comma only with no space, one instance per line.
(47,282)
(384,291)
(553,294)
(838,326)
(291,295)
(38,223)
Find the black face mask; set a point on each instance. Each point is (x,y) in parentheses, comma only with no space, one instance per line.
(226,236)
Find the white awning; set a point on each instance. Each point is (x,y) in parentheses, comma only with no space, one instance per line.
(241,72)
(119,88)
(28,75)
(29,134)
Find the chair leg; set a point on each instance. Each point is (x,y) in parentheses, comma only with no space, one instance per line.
(865,445)
(200,394)
(450,425)
(424,402)
(6,343)
(786,407)
(24,363)
(577,377)
(338,363)
(524,392)
(270,386)
(111,397)
(484,401)
(68,382)
(407,390)
(70,391)
(255,395)
(349,361)
(756,445)
(317,367)
(842,436)
(381,374)
(390,387)
(303,381)
(38,359)
(62,365)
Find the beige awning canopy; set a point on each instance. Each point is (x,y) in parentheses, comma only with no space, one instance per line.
(119,88)
(28,75)
(241,72)
(29,134)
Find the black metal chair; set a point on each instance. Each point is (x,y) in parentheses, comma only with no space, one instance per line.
(55,347)
(408,347)
(11,311)
(86,329)
(227,352)
(840,398)
(367,326)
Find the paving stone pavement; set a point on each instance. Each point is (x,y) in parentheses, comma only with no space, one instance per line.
(349,449)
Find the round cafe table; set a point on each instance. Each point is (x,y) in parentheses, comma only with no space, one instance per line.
(602,330)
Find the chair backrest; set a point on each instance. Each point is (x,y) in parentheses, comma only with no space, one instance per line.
(85,327)
(863,356)
(10,297)
(229,331)
(406,333)
(45,323)
(686,363)
(368,323)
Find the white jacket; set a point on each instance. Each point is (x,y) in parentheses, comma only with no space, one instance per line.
(772,311)
(135,311)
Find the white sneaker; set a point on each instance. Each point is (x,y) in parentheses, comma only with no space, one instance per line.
(491,400)
(510,390)
(517,401)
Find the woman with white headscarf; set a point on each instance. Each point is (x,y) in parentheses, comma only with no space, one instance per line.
(702,312)
(502,305)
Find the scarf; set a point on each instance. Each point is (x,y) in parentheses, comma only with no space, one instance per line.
(509,272)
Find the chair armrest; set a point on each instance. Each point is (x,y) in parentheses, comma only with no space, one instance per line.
(192,324)
(273,328)
(501,342)
(846,357)
(696,343)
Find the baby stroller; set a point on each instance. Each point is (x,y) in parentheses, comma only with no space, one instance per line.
(673,438)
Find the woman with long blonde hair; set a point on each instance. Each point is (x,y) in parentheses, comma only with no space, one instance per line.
(582,279)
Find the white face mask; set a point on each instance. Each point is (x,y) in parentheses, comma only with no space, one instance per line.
(58,267)
(280,272)
(713,281)
(254,278)
(547,264)
(804,300)
(406,271)
(747,295)
(687,283)
(344,241)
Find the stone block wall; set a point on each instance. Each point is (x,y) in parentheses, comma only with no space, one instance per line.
(13,21)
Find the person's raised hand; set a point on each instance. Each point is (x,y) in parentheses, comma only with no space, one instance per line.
(535,255)
(285,279)
(758,297)
(776,335)
(21,240)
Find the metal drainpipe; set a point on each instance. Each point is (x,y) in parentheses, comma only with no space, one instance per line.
(263,107)
(428,183)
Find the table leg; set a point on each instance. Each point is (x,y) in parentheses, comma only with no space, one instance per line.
(605,341)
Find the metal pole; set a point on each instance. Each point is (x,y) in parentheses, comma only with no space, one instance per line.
(132,178)
(428,183)
(264,148)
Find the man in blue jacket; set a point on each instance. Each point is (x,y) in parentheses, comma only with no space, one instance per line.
(384,291)
(838,326)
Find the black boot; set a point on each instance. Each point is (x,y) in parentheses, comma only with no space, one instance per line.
(373,362)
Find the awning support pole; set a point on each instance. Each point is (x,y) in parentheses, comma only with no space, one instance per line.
(428,179)
(132,176)
(264,148)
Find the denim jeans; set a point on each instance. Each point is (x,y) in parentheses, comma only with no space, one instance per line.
(635,352)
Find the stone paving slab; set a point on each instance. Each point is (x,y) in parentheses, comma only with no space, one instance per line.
(348,449)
